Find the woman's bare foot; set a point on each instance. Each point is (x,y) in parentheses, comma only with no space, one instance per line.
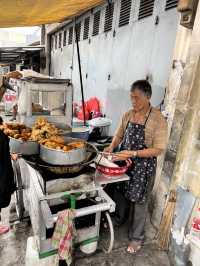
(134,247)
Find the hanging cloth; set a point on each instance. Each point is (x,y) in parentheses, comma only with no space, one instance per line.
(64,234)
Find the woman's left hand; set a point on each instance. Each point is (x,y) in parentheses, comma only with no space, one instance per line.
(14,156)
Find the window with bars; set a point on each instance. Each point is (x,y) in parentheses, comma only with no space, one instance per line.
(56,39)
(70,37)
(78,30)
(64,37)
(146,8)
(60,39)
(171,4)
(125,12)
(86,28)
(109,17)
(96,23)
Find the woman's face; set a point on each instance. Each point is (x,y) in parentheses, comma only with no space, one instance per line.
(139,100)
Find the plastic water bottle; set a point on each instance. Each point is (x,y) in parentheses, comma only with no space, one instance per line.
(195,229)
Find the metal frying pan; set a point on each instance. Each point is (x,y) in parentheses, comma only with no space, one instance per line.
(38,164)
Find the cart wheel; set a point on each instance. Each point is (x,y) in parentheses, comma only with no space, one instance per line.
(107,239)
(19,191)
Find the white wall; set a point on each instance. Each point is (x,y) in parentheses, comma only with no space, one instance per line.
(138,49)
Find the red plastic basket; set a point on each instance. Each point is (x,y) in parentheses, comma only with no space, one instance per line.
(114,171)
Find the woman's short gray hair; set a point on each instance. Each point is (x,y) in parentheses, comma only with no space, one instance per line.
(143,86)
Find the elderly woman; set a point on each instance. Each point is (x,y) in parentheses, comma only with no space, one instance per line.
(142,135)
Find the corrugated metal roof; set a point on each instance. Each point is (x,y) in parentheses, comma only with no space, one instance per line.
(18,13)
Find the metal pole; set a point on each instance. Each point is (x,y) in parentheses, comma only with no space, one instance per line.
(80,73)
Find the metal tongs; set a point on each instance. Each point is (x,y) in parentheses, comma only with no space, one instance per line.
(111,156)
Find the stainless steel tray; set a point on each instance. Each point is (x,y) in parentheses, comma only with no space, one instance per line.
(24,147)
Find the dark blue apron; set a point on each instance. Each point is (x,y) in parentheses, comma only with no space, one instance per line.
(142,171)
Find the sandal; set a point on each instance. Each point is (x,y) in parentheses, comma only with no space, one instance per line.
(134,247)
(4,229)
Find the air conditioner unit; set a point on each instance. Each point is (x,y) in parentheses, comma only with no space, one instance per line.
(188,9)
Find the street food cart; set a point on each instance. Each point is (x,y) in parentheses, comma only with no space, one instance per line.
(44,188)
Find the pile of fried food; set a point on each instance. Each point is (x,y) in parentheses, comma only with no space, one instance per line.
(17,131)
(47,134)
(43,132)
(58,143)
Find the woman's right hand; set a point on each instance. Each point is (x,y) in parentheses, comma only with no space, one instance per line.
(108,149)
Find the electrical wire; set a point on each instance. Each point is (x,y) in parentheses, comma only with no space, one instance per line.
(73,44)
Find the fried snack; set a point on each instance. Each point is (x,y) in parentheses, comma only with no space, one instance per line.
(36,135)
(41,121)
(26,130)
(14,126)
(43,141)
(36,108)
(66,148)
(57,139)
(60,146)
(77,145)
(44,130)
